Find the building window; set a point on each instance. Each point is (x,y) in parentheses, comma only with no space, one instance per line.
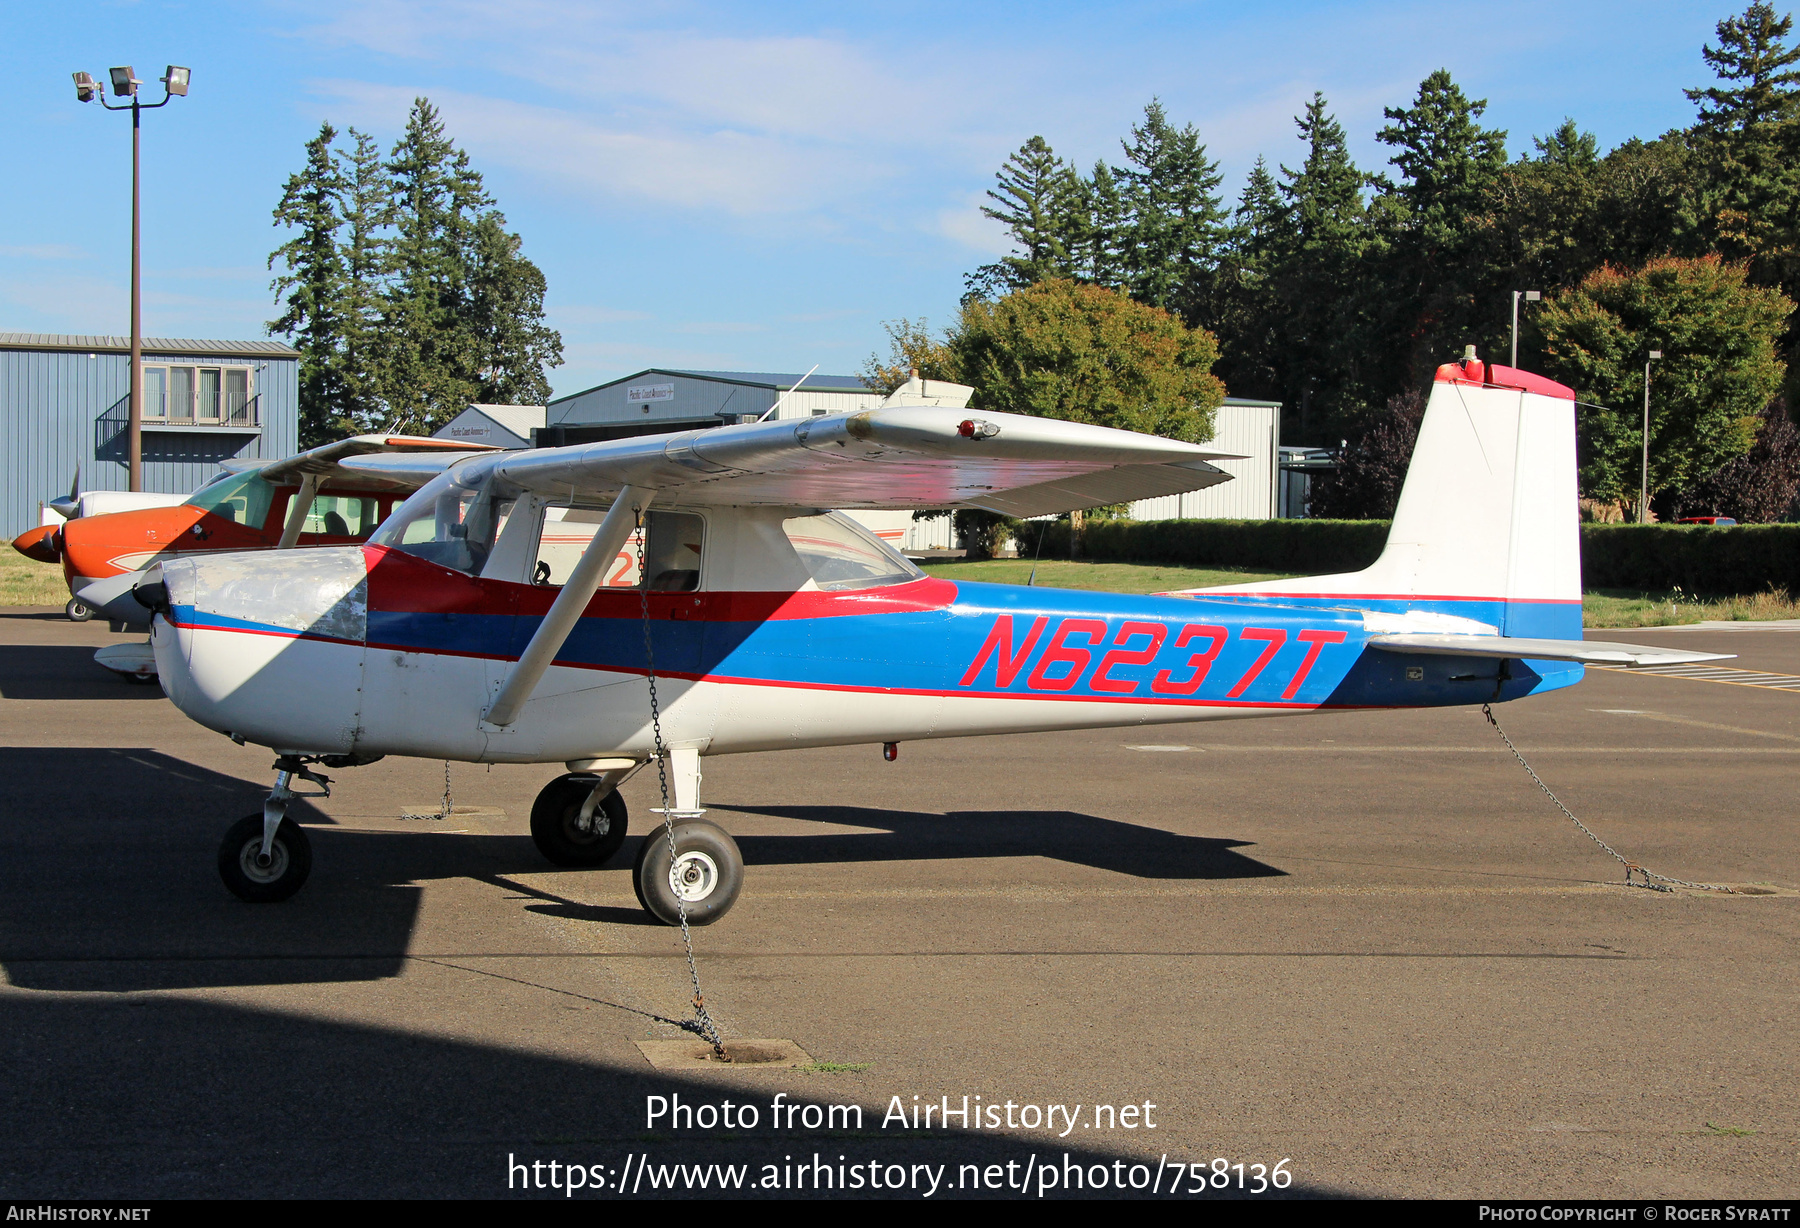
(181,394)
(156,393)
(205,396)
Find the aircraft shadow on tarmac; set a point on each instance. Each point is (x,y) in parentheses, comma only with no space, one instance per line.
(1081,839)
(173,1097)
(63,671)
(108,881)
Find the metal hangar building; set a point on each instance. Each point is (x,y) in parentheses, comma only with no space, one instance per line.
(65,406)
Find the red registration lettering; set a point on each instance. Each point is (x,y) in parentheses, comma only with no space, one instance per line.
(1128,656)
(999,645)
(1057,652)
(1274,638)
(1314,640)
(1165,684)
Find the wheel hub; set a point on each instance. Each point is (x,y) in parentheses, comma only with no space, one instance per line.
(693,876)
(250,860)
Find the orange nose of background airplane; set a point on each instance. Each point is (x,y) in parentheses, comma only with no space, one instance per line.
(43,544)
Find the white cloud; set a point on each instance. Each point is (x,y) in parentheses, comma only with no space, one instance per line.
(577,314)
(45,251)
(968,225)
(581,157)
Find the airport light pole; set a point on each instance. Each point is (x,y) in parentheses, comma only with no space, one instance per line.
(1644,478)
(1530,296)
(125,85)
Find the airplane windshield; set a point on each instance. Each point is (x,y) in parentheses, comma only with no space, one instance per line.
(842,554)
(451,521)
(240,497)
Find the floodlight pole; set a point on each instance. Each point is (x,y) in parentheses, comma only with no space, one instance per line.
(134,463)
(134,457)
(1530,296)
(1644,477)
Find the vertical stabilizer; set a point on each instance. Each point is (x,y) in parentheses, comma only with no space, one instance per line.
(1487,527)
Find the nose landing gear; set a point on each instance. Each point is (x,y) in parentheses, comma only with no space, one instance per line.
(266,857)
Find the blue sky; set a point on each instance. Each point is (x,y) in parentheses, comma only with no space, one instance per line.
(734,186)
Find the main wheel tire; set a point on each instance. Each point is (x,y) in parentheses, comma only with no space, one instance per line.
(78,611)
(556,823)
(706,868)
(290,860)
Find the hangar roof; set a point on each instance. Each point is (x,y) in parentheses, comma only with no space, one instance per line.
(96,344)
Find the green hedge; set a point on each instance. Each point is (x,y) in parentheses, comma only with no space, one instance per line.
(1298,546)
(1650,558)
(1699,558)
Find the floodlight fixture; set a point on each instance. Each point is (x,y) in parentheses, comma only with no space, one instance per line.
(86,88)
(124,81)
(1656,353)
(176,82)
(1532,296)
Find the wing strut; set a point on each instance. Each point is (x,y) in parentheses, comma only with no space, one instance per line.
(297,510)
(566,610)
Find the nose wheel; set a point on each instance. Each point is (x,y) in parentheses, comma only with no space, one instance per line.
(266,857)
(704,873)
(259,877)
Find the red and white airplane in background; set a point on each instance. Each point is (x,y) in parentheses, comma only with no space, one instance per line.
(668,598)
(304,500)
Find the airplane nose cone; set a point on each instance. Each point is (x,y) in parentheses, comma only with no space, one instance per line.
(42,544)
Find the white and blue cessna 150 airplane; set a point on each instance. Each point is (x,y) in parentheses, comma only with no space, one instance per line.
(520,607)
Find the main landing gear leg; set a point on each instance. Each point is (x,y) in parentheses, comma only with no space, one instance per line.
(266,857)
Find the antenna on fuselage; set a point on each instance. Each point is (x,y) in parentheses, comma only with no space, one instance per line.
(784,396)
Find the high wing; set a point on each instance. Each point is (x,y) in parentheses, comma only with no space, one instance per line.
(893,458)
(1588,652)
(325,463)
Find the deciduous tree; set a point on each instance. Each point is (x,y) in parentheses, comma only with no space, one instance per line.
(1719,370)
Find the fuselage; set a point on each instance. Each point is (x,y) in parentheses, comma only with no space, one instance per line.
(240,513)
(374,651)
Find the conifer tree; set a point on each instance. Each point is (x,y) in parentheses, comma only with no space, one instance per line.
(1100,251)
(365,203)
(1568,146)
(1319,274)
(1434,272)
(506,319)
(1246,315)
(310,288)
(404,290)
(1176,220)
(438,198)
(1039,202)
(1748,135)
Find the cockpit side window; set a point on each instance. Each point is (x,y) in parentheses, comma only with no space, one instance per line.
(671,556)
(243,498)
(841,554)
(451,521)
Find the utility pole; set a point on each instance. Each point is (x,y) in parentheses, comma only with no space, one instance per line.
(125,85)
(1530,296)
(1644,478)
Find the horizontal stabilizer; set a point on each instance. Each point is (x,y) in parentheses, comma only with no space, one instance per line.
(1588,652)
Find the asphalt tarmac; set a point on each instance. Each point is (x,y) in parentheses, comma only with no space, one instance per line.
(1365,943)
